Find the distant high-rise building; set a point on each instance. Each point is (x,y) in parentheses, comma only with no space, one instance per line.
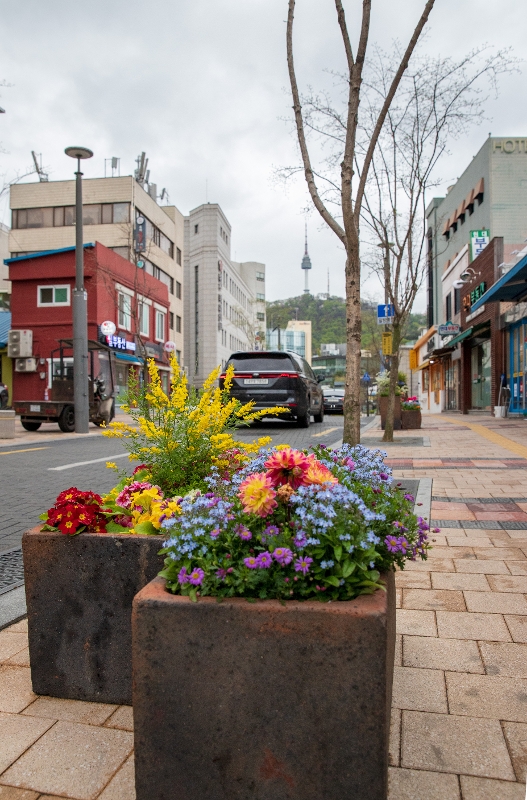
(306,265)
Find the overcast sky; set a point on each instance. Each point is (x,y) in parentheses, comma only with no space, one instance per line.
(201,86)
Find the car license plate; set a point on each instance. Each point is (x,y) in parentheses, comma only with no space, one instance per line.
(34,408)
(253,381)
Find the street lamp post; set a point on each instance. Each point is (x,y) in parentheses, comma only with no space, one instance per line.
(81,400)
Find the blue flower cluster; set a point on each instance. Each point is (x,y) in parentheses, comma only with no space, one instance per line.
(317,506)
(201,514)
(366,466)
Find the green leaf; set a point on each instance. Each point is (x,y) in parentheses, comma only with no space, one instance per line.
(113,527)
(338,552)
(146,528)
(348,568)
(193,595)
(332,580)
(43,516)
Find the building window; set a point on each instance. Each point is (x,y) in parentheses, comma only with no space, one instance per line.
(178,256)
(91,215)
(171,281)
(260,317)
(178,324)
(457,301)
(171,320)
(196,228)
(121,212)
(260,276)
(160,326)
(260,296)
(178,290)
(124,304)
(59,216)
(448,306)
(143,313)
(178,356)
(53,295)
(69,215)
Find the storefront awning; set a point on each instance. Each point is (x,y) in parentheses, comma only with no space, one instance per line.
(511,287)
(469,332)
(424,365)
(130,359)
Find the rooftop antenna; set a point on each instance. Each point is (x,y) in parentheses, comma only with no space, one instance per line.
(141,175)
(306,265)
(115,166)
(162,196)
(42,176)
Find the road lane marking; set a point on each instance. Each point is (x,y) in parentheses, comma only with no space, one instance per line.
(83,463)
(26,450)
(324,433)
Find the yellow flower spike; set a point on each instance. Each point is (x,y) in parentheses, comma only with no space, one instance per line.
(111,465)
(211,380)
(229,375)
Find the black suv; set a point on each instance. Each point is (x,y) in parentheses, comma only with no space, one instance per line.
(275,378)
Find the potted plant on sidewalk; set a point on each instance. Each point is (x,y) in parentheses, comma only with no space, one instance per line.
(410,414)
(92,555)
(263,654)
(383,389)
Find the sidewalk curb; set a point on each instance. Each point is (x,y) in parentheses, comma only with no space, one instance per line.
(424,496)
(12,607)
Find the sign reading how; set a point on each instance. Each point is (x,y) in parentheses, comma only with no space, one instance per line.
(478,242)
(385,314)
(449,329)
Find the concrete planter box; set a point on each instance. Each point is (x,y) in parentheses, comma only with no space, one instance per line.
(238,700)
(383,411)
(410,420)
(79,593)
(7,424)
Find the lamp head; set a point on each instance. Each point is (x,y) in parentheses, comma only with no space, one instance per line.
(458,284)
(78,152)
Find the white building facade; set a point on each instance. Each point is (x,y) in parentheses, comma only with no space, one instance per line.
(224,299)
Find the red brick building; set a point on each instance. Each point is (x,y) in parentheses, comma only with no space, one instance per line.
(41,301)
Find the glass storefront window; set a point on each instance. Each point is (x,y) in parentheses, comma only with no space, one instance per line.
(481,375)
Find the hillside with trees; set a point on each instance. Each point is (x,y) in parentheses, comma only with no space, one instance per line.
(328,320)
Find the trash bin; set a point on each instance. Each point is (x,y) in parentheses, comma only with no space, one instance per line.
(7,424)
(499,411)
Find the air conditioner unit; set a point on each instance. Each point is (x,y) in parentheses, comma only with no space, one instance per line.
(20,344)
(25,365)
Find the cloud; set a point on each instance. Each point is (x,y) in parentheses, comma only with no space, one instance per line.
(199,85)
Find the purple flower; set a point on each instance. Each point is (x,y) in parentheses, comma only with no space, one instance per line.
(436,530)
(196,576)
(409,497)
(300,539)
(283,555)
(392,543)
(243,532)
(271,530)
(221,573)
(383,476)
(215,533)
(264,560)
(403,544)
(302,565)
(251,562)
(183,576)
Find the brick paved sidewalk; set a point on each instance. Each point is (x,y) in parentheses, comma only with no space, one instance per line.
(459,724)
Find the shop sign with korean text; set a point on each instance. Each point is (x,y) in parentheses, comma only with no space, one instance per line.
(478,242)
(120,343)
(449,329)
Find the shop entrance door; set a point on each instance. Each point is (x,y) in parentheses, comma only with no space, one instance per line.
(480,372)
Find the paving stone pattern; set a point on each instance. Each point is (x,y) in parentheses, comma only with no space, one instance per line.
(459,721)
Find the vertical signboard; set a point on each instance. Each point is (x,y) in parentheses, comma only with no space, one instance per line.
(478,242)
(140,234)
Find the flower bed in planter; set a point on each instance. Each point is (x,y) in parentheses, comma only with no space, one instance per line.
(269,700)
(411,419)
(287,695)
(79,594)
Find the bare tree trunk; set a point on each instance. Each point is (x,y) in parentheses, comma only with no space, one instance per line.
(353,341)
(394,374)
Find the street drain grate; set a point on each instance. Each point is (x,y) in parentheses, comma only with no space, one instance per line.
(11,570)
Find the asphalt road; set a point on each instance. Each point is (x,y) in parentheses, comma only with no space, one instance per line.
(32,475)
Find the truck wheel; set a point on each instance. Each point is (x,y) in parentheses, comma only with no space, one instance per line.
(67,419)
(30,426)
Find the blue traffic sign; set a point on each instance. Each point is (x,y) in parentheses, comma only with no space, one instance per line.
(385,311)
(366,378)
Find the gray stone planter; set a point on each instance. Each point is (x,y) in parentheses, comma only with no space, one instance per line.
(238,700)
(411,420)
(79,592)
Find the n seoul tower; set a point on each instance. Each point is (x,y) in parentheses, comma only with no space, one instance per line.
(306,265)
